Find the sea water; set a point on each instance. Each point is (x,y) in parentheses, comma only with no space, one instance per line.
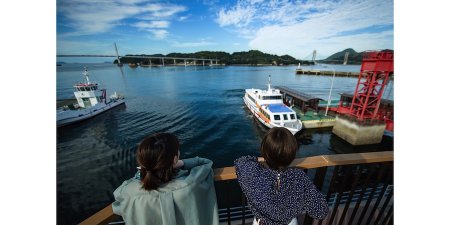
(203,106)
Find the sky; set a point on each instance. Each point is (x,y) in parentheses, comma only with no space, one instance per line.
(296,28)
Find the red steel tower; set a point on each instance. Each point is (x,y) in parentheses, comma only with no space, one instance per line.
(375,70)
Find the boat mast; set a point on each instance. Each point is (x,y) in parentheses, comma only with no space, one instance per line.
(268,89)
(85,73)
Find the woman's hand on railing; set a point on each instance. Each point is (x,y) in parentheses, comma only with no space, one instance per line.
(179,164)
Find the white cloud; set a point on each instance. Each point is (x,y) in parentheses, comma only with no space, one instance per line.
(183,18)
(297,28)
(240,16)
(93,17)
(159,34)
(156,10)
(152,24)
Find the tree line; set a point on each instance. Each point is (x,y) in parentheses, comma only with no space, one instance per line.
(252,57)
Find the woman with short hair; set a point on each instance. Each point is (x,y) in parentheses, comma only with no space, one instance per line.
(277,193)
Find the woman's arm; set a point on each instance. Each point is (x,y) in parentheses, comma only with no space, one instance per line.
(194,162)
(246,171)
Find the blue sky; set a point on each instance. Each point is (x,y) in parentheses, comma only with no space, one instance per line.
(276,27)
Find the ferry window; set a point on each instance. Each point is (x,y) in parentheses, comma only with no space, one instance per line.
(276,117)
(285,117)
(251,98)
(292,116)
(88,88)
(82,88)
(271,97)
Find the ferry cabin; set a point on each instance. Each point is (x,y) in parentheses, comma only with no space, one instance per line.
(87,95)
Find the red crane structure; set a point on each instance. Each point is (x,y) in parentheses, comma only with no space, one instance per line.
(375,70)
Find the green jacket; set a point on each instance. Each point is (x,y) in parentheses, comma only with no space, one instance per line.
(188,199)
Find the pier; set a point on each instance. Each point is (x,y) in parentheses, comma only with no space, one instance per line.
(326,73)
(307,108)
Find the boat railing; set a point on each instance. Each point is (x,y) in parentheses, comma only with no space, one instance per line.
(358,188)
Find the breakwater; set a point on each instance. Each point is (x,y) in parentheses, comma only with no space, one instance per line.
(327,73)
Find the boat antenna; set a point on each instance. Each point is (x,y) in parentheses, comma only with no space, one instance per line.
(85,73)
(268,85)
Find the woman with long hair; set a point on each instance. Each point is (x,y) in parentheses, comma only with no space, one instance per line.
(167,190)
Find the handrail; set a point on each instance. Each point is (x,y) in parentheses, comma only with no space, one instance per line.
(228,173)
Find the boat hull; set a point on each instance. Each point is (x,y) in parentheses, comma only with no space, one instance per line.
(66,117)
(254,110)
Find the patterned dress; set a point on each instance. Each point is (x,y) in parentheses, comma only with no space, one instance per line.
(276,197)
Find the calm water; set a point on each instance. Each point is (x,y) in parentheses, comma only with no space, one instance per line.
(203,106)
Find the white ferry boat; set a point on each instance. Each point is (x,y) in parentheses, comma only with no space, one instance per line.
(268,107)
(90,102)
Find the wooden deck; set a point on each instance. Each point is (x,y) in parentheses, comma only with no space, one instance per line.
(321,162)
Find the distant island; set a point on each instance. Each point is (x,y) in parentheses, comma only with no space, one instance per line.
(252,57)
(338,58)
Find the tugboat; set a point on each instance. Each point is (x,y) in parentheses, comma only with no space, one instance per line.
(90,102)
(268,107)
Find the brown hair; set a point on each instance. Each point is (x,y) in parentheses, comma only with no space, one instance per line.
(155,155)
(278,148)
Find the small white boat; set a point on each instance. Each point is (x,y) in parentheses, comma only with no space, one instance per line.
(268,107)
(90,102)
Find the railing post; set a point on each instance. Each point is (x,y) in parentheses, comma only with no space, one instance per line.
(386,202)
(380,196)
(374,186)
(243,208)
(350,196)
(228,203)
(330,188)
(372,171)
(388,216)
(347,172)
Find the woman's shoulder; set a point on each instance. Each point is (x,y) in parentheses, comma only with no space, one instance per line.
(130,187)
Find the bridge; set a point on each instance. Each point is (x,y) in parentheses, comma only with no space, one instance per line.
(162,58)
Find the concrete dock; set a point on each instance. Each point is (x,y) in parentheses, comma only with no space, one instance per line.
(326,73)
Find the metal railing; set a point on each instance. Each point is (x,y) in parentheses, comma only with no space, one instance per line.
(358,188)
